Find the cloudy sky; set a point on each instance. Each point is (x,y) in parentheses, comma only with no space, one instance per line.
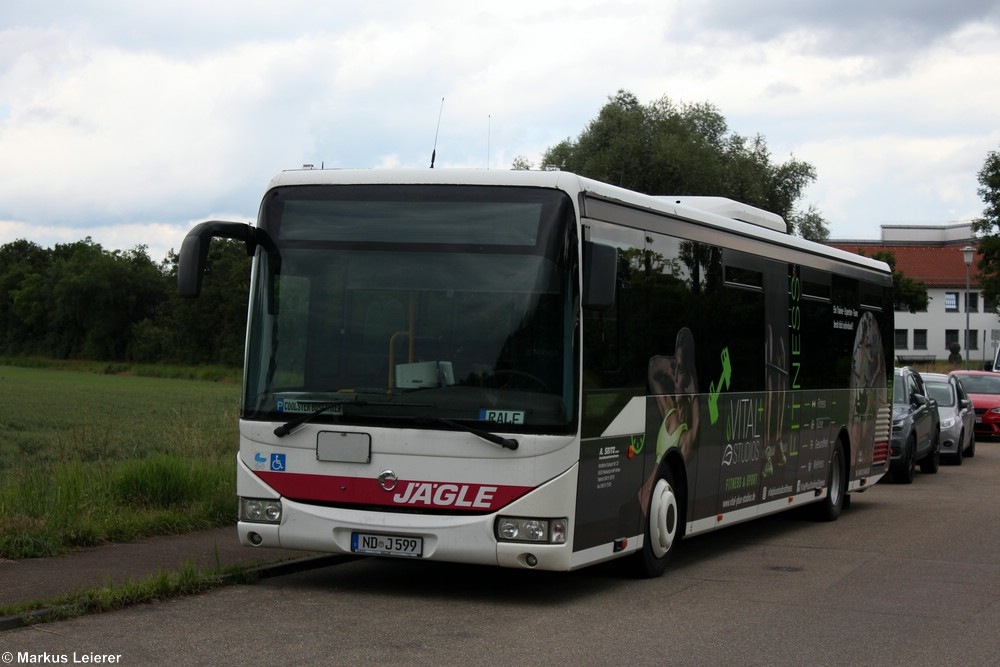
(130,121)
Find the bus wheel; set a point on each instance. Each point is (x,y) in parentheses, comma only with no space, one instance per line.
(830,507)
(662,528)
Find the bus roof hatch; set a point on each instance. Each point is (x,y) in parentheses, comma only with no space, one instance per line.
(731,208)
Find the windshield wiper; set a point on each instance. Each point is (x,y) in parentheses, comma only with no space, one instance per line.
(506,443)
(293,424)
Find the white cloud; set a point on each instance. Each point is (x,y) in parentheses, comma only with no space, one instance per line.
(132,121)
(158,238)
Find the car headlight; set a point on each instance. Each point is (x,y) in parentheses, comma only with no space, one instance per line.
(948,422)
(528,529)
(996,409)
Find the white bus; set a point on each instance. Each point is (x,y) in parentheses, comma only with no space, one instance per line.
(536,370)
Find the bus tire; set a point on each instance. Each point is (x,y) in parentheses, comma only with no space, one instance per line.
(663,528)
(831,506)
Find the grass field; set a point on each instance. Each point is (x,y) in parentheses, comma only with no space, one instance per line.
(88,457)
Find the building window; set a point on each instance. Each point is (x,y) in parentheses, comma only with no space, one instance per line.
(957,336)
(973,303)
(951,302)
(920,339)
(989,305)
(951,338)
(902,339)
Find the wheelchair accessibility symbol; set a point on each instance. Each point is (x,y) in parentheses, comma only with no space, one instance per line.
(278,462)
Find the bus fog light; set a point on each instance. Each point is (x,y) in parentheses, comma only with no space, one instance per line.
(529,529)
(260,510)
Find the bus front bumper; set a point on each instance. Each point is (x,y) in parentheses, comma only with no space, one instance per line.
(453,537)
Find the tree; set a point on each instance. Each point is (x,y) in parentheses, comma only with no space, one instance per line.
(666,148)
(96,297)
(987,228)
(521,163)
(212,327)
(907,293)
(23,304)
(79,300)
(809,225)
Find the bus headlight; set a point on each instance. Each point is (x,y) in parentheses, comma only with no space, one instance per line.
(530,529)
(260,510)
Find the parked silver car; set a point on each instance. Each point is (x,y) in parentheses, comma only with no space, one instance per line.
(958,418)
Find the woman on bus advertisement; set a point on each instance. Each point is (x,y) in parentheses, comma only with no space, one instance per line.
(673,381)
(867,381)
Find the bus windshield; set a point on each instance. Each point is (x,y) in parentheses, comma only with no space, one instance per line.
(407,305)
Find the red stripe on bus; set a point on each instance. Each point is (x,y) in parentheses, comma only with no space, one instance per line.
(458,496)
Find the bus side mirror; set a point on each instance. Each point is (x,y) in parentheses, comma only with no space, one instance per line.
(194,251)
(600,275)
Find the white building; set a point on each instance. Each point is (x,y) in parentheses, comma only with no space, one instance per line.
(933,255)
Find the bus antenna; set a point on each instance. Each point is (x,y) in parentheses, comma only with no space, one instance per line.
(434,149)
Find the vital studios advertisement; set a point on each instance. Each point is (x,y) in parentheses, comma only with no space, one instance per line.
(743,448)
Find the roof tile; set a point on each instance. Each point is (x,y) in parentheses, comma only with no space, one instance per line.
(933,265)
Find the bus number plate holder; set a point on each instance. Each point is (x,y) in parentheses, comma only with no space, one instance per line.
(387,545)
(343,447)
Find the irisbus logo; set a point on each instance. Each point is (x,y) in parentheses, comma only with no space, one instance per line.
(387,480)
(439,494)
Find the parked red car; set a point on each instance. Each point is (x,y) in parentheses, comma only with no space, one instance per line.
(983,387)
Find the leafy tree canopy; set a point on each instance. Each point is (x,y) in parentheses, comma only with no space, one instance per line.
(79,300)
(810,225)
(987,228)
(666,148)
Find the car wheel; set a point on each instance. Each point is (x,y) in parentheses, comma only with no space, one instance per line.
(956,458)
(663,528)
(830,507)
(970,451)
(930,463)
(907,469)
